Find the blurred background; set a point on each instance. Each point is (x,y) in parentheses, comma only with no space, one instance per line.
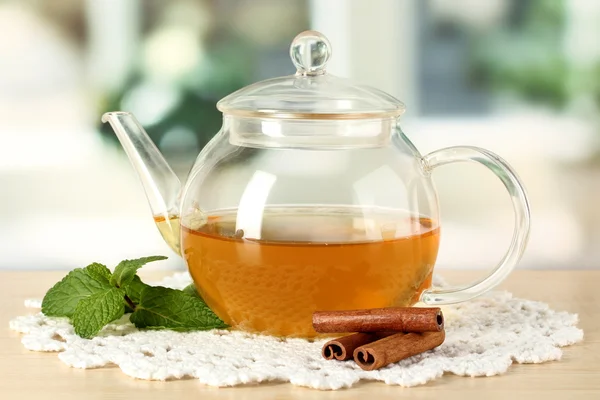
(519,77)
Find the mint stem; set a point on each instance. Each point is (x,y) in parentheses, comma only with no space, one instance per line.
(130,303)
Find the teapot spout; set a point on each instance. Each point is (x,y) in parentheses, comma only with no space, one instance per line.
(160,182)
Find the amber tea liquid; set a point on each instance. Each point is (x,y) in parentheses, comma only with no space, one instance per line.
(271,277)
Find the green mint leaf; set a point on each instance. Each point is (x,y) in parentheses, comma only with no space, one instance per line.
(126,270)
(97,310)
(99,272)
(134,292)
(191,290)
(62,298)
(134,289)
(161,307)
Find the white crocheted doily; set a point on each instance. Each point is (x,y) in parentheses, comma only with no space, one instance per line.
(483,338)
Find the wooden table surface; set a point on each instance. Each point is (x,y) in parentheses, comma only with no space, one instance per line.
(33,375)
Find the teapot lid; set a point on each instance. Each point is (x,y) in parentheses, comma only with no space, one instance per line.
(311,93)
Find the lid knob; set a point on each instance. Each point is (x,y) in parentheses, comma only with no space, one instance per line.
(310,51)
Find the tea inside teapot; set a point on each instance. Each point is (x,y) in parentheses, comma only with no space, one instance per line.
(271,277)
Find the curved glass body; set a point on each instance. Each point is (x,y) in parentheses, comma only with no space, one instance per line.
(272,234)
(310,198)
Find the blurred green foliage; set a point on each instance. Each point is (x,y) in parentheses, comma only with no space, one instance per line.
(524,57)
(228,67)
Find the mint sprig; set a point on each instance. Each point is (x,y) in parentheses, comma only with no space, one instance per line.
(127,269)
(92,313)
(162,307)
(79,284)
(134,290)
(191,290)
(92,297)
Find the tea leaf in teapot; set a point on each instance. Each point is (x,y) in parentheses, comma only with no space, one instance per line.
(61,300)
(126,269)
(162,307)
(97,310)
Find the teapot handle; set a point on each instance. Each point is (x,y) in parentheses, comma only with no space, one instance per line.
(522,221)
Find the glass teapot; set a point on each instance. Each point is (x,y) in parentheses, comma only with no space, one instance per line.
(310,198)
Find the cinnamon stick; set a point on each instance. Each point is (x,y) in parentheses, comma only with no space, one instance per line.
(399,319)
(394,348)
(342,348)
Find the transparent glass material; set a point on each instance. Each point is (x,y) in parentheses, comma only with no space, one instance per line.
(311,93)
(294,208)
(356,200)
(271,234)
(160,183)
